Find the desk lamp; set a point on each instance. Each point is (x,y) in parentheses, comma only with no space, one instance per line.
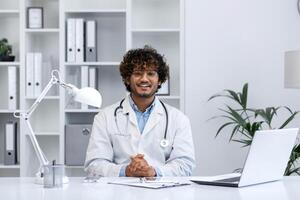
(85,95)
(292,69)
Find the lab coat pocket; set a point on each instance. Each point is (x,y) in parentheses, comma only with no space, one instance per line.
(121,144)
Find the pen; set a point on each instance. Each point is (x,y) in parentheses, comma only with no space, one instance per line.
(144,180)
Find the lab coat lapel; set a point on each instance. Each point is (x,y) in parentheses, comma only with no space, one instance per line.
(154,117)
(133,125)
(127,109)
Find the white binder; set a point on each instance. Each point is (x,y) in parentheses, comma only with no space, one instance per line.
(37,74)
(79,55)
(10,157)
(12,87)
(29,74)
(71,34)
(90,41)
(93,79)
(84,81)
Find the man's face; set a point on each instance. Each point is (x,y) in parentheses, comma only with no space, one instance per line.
(144,83)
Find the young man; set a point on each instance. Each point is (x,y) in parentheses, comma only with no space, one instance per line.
(141,136)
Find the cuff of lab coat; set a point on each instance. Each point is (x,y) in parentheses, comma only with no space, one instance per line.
(158,172)
(123,171)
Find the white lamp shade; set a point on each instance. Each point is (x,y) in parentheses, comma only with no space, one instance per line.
(292,69)
(88,96)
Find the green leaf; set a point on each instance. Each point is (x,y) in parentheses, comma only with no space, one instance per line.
(234,131)
(245,142)
(291,171)
(234,96)
(237,116)
(223,126)
(244,96)
(289,119)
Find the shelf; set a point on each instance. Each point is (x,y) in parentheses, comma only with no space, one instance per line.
(9,11)
(47,133)
(9,63)
(74,167)
(2,166)
(158,30)
(82,111)
(6,111)
(96,11)
(46,97)
(71,5)
(42,30)
(93,64)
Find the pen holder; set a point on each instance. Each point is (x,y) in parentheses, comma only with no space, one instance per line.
(53,176)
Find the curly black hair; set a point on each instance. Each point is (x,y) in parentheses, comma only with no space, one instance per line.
(141,59)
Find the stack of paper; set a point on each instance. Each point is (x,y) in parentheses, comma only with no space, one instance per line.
(152,184)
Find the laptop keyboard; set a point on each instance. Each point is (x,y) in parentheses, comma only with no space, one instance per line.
(233,179)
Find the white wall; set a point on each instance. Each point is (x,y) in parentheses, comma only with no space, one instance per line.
(229,43)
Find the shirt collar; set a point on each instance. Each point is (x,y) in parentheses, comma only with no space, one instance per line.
(136,109)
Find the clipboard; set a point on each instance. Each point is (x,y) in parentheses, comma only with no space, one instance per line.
(150,184)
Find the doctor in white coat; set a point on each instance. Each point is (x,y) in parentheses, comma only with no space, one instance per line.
(141,136)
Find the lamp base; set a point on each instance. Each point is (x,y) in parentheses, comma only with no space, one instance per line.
(40,180)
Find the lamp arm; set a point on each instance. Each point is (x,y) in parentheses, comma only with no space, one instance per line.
(26,115)
(41,156)
(54,80)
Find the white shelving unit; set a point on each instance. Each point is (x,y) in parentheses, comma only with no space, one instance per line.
(121,25)
(10,29)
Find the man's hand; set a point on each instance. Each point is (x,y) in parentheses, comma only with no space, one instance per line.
(139,167)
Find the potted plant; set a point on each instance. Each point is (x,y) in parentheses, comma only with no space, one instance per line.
(246,121)
(5,51)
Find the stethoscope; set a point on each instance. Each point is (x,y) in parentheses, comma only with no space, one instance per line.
(164,142)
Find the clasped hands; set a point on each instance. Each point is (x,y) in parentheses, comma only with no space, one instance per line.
(139,167)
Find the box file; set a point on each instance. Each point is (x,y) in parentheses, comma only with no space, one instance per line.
(37,74)
(76,142)
(12,87)
(90,41)
(79,27)
(8,87)
(29,74)
(10,145)
(71,34)
(84,81)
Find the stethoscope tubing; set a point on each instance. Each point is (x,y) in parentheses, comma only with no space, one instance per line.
(164,142)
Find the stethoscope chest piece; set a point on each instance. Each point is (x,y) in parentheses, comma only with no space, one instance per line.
(164,143)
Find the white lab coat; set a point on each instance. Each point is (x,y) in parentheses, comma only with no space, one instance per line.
(109,149)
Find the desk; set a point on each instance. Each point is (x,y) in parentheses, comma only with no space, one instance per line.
(24,188)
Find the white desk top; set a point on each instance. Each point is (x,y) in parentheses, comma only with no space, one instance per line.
(24,188)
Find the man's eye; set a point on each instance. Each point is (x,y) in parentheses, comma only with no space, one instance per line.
(151,73)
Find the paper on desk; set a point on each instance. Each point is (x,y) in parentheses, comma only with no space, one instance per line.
(153,184)
(212,178)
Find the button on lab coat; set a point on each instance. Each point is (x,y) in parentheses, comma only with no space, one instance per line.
(111,144)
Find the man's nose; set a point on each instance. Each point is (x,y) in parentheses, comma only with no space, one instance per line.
(144,76)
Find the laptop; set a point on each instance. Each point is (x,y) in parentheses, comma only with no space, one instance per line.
(266,161)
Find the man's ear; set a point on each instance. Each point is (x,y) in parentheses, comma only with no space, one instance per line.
(126,81)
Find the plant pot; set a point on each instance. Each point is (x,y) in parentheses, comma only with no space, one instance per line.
(7,58)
